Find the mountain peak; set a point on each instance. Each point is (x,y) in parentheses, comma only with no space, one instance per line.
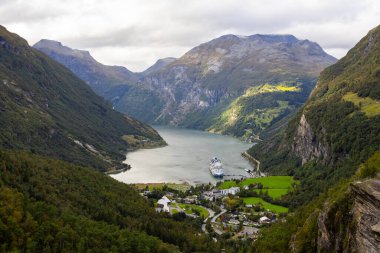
(57,47)
(160,64)
(275,38)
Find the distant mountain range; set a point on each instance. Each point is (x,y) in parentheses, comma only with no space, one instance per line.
(47,110)
(239,85)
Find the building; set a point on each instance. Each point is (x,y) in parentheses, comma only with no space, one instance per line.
(232,190)
(163,205)
(264,220)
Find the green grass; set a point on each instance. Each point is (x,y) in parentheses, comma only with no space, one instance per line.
(271,182)
(274,193)
(188,208)
(369,106)
(227,184)
(266,205)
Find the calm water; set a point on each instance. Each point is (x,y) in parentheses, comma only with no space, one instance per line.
(185,159)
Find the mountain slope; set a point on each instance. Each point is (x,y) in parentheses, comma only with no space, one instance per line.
(160,64)
(106,81)
(48,205)
(196,89)
(333,142)
(46,109)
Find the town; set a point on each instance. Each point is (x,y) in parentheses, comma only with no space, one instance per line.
(236,209)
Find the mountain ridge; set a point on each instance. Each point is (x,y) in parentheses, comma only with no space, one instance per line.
(46,109)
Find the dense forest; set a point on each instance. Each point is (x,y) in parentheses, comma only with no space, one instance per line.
(48,205)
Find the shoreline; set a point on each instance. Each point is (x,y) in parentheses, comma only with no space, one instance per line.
(251,160)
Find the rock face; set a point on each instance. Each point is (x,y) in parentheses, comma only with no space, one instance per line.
(306,144)
(366,216)
(194,90)
(348,223)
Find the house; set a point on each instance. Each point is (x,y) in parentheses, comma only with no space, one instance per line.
(264,220)
(163,205)
(232,190)
(190,199)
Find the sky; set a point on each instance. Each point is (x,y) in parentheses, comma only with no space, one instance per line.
(135,33)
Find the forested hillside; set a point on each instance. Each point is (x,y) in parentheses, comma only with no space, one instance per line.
(46,109)
(335,135)
(48,205)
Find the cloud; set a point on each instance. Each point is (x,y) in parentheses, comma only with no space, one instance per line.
(133,32)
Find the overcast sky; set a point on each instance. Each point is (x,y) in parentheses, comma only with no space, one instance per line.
(135,33)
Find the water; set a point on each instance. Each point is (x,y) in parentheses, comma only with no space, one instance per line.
(186,158)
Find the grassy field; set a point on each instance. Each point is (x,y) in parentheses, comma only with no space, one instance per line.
(369,106)
(274,193)
(188,208)
(272,182)
(266,205)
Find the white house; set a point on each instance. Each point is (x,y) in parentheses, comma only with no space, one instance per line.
(232,190)
(264,219)
(163,204)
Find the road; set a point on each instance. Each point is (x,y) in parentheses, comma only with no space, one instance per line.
(211,214)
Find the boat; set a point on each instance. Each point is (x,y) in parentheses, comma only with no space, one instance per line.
(216,168)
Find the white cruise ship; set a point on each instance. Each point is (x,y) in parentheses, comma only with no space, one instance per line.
(216,168)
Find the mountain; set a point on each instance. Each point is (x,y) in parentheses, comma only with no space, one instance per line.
(46,109)
(160,64)
(106,81)
(333,146)
(232,84)
(238,85)
(50,205)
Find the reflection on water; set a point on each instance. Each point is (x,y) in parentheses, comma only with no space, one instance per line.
(186,158)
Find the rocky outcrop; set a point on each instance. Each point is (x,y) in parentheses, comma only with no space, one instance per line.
(366,216)
(352,224)
(306,144)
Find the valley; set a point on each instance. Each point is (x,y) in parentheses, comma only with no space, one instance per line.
(249,144)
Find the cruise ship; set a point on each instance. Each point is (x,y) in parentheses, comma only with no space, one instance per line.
(216,168)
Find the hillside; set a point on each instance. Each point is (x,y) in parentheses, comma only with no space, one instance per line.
(107,81)
(48,205)
(200,89)
(333,142)
(46,109)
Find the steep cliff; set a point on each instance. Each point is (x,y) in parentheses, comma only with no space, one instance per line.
(349,223)
(306,145)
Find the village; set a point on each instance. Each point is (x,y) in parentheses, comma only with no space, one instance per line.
(236,209)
